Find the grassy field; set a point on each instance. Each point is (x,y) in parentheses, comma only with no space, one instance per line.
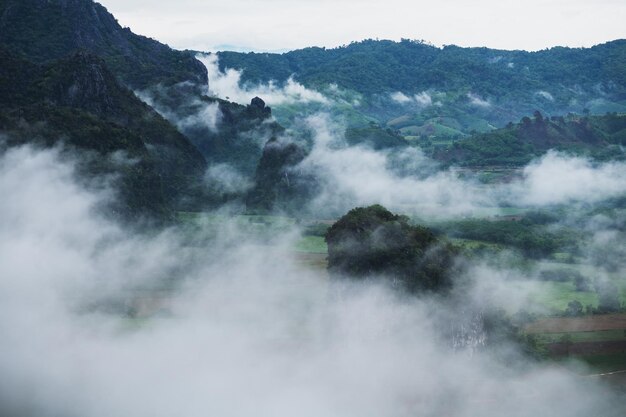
(312,244)
(592,344)
(605,363)
(556,295)
(205,219)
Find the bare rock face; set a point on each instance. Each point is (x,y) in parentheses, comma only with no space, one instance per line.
(257,102)
(86,83)
(258,109)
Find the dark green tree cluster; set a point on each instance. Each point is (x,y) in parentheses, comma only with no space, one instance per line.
(532,240)
(599,137)
(372,241)
(374,67)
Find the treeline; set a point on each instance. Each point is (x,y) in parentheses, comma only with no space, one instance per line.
(529,236)
(374,67)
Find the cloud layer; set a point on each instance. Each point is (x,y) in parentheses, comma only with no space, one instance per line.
(243,329)
(227,85)
(407,180)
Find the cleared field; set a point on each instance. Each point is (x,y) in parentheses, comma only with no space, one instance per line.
(312,244)
(556,295)
(317,261)
(207,219)
(598,341)
(578,324)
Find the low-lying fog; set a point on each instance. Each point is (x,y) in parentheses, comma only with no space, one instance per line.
(243,329)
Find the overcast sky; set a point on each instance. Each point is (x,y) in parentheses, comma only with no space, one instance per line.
(274,25)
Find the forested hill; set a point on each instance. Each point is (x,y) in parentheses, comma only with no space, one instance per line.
(67,73)
(471,89)
(599,137)
(77,102)
(45,30)
(374,67)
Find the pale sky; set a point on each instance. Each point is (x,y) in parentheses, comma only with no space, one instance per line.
(274,25)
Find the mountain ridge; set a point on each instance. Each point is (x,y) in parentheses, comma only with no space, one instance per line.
(137,60)
(477,87)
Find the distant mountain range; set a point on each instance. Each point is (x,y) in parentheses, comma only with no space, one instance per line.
(409,85)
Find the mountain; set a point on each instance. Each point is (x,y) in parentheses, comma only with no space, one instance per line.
(223,132)
(78,101)
(376,67)
(456,91)
(278,182)
(72,54)
(598,137)
(281,184)
(45,30)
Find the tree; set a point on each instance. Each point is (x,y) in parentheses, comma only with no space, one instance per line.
(372,241)
(574,308)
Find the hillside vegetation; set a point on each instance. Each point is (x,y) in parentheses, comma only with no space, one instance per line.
(598,137)
(140,62)
(448,92)
(77,102)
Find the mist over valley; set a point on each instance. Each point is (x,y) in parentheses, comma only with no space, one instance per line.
(384,228)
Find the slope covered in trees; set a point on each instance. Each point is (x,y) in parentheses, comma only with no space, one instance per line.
(374,67)
(45,30)
(453,90)
(599,137)
(78,102)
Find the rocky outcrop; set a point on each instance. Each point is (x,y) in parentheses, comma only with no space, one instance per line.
(279,183)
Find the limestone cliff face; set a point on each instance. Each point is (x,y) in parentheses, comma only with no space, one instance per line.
(78,101)
(83,81)
(50,29)
(279,183)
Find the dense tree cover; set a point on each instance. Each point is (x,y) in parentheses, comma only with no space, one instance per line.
(374,67)
(374,137)
(449,92)
(532,240)
(77,101)
(49,30)
(600,137)
(372,241)
(99,149)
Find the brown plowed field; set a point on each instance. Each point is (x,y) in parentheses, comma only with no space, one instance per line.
(578,324)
